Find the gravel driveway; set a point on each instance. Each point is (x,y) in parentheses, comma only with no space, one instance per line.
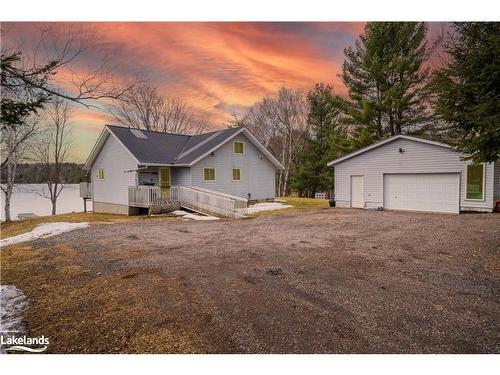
(316,281)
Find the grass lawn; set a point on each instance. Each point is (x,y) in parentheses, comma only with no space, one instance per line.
(22,226)
(304,202)
(297,203)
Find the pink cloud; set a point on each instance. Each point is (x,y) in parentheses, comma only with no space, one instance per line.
(216,67)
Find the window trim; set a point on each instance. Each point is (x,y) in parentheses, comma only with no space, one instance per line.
(100,176)
(215,174)
(238,153)
(484,184)
(232,175)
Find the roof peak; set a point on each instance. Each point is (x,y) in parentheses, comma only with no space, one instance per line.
(384,141)
(170,133)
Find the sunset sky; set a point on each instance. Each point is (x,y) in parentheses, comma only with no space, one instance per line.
(218,68)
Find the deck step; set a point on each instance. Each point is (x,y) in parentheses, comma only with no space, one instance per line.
(163,206)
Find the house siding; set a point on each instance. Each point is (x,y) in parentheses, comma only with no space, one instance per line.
(496,181)
(181,176)
(258,174)
(115,160)
(418,157)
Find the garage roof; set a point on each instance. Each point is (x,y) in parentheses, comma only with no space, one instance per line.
(383,142)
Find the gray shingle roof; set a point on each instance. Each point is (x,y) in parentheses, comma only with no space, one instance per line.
(168,148)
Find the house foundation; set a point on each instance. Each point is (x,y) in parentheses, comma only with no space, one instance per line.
(113,208)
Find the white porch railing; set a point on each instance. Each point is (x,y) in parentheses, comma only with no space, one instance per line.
(85,190)
(143,196)
(209,201)
(190,197)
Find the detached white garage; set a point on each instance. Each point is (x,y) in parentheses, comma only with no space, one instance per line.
(409,173)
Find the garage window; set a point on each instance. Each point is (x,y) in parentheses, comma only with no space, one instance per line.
(475,182)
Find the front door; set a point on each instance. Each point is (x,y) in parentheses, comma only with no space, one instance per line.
(165,182)
(357,188)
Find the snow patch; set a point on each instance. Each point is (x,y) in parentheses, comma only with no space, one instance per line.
(13,302)
(179,213)
(193,216)
(43,231)
(266,206)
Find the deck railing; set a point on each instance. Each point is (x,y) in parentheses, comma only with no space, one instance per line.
(209,201)
(190,197)
(143,196)
(85,190)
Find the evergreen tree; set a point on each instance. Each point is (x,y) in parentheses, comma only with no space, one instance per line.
(324,143)
(17,104)
(386,81)
(468,89)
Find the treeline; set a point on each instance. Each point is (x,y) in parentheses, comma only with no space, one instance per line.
(36,173)
(393,88)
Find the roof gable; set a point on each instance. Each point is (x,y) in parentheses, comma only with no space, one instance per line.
(222,139)
(383,142)
(157,148)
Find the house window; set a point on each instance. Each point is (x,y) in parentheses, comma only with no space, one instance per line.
(209,174)
(236,174)
(474,182)
(100,174)
(239,148)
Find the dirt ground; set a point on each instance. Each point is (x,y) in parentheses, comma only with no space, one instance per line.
(312,281)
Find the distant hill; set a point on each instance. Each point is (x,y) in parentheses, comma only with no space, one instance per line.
(33,173)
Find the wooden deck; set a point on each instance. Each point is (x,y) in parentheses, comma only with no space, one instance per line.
(189,197)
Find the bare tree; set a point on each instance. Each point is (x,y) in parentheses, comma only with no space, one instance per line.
(29,74)
(280,123)
(35,70)
(14,143)
(143,107)
(52,148)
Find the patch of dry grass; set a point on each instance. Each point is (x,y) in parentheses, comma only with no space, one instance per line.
(22,226)
(305,202)
(85,308)
(297,203)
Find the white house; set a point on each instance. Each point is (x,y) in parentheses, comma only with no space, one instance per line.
(409,173)
(131,168)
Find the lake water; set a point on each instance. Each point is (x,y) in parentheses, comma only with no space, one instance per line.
(27,198)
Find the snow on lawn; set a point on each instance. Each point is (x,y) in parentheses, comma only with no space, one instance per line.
(43,231)
(13,302)
(266,206)
(193,216)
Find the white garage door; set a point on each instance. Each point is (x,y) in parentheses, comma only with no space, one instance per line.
(422,192)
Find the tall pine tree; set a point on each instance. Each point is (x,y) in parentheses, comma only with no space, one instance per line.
(324,143)
(468,89)
(386,79)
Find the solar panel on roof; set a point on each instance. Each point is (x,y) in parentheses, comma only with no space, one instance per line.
(138,133)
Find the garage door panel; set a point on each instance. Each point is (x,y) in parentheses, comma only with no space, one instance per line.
(422,192)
